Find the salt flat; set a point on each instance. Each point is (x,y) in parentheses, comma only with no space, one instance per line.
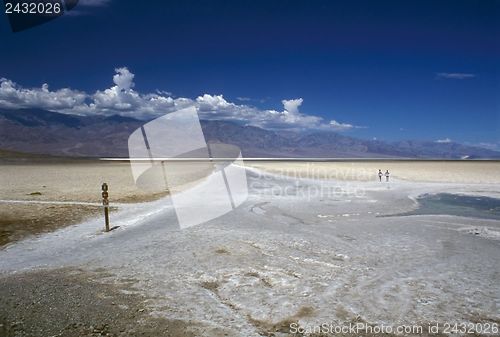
(309,250)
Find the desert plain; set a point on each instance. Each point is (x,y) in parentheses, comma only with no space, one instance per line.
(314,243)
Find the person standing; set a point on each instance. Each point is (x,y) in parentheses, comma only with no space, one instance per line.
(387,174)
(380,175)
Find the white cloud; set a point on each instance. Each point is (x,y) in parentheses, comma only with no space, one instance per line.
(122,99)
(340,126)
(123,78)
(213,103)
(292,105)
(13,96)
(455,76)
(443,141)
(163,92)
(217,107)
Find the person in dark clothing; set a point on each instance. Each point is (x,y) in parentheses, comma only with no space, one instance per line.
(380,175)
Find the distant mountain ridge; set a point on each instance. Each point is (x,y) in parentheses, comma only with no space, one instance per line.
(42,131)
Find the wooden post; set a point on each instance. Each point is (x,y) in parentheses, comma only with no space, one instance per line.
(105,203)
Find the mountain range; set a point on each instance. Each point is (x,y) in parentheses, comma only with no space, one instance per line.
(46,132)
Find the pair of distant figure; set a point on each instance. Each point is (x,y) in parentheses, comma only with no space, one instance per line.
(386,174)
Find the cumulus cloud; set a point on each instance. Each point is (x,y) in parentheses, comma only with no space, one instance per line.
(214,103)
(292,105)
(123,78)
(123,99)
(444,140)
(455,76)
(14,96)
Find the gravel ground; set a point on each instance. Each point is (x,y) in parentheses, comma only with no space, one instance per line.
(72,302)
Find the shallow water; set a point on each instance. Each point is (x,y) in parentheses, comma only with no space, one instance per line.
(459,205)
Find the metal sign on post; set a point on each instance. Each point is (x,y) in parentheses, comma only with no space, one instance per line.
(105,203)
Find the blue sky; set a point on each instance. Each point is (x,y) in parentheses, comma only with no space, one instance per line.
(385,69)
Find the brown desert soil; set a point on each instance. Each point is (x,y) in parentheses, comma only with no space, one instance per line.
(60,180)
(72,302)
